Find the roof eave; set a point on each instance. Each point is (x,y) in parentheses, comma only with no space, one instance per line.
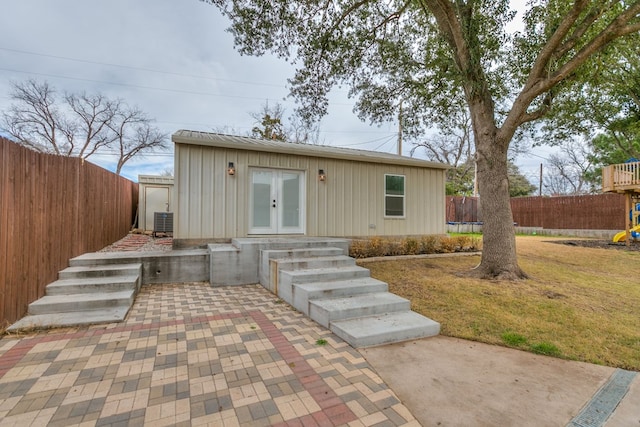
(302,150)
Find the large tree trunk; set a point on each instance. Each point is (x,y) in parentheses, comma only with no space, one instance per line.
(499,259)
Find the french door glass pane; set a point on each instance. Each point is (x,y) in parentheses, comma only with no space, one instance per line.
(290,199)
(261,199)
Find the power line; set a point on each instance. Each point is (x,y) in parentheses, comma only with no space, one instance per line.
(389,139)
(186,92)
(130,67)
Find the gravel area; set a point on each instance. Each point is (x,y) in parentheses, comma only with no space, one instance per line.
(141,243)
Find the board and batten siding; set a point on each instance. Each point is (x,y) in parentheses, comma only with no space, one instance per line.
(211,205)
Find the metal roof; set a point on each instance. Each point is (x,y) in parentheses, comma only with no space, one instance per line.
(155,179)
(256,144)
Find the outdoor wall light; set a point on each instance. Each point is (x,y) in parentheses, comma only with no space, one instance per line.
(231,170)
(321,175)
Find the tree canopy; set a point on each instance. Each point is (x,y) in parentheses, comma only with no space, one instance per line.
(432,55)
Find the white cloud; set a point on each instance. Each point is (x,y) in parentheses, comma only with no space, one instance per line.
(173,59)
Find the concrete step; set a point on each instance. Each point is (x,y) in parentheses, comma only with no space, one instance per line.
(384,329)
(93,285)
(303,293)
(53,304)
(100,271)
(88,317)
(104,258)
(325,274)
(325,311)
(291,264)
(286,279)
(270,259)
(303,253)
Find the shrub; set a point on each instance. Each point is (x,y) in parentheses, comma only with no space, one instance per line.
(448,244)
(377,247)
(429,244)
(389,246)
(411,246)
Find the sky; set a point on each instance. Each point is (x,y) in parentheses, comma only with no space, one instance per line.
(175,61)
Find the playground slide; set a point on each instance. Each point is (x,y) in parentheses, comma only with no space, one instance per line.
(622,236)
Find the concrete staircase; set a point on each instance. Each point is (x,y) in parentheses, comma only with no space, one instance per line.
(331,289)
(85,294)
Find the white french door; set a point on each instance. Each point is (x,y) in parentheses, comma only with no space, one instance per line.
(276,202)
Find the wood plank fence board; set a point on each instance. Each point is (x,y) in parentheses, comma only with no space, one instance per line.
(53,208)
(588,212)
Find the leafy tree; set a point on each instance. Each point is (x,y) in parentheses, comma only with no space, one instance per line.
(519,185)
(79,124)
(422,54)
(605,113)
(269,124)
(460,179)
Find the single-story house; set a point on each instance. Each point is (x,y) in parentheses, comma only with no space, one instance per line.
(230,186)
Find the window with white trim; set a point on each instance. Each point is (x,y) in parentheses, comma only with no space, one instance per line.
(394,196)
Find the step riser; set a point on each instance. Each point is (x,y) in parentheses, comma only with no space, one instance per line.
(315,263)
(302,296)
(75,318)
(345,274)
(387,337)
(71,306)
(89,288)
(87,274)
(325,316)
(94,262)
(303,253)
(286,280)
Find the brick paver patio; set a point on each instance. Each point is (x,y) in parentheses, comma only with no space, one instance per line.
(190,354)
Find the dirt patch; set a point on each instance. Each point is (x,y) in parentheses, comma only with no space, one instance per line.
(599,244)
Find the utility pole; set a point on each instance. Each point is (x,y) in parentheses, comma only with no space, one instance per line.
(475,176)
(540,188)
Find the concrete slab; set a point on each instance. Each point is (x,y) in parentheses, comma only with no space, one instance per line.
(451,382)
(385,328)
(325,311)
(182,266)
(93,284)
(88,317)
(54,304)
(305,292)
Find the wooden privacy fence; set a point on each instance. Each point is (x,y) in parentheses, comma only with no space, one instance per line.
(53,208)
(590,212)
(463,209)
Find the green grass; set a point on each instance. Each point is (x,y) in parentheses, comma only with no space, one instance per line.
(513,339)
(579,303)
(475,234)
(546,348)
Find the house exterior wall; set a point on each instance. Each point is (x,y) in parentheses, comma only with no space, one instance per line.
(210,205)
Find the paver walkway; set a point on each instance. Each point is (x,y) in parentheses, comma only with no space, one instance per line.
(190,354)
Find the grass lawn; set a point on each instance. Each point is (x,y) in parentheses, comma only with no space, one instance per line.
(579,303)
